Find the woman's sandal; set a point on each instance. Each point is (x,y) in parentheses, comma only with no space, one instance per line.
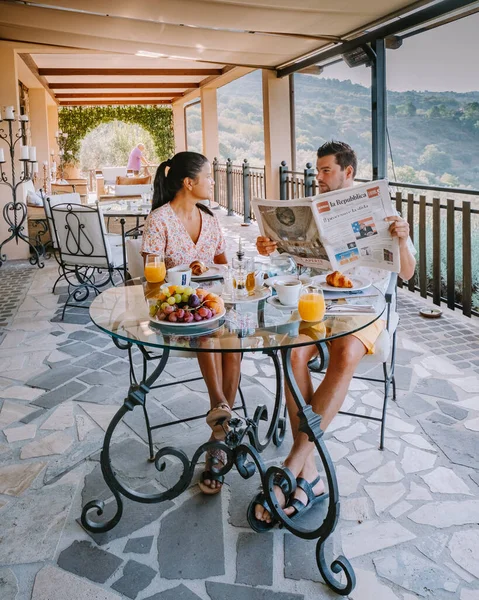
(260,498)
(214,456)
(307,487)
(217,418)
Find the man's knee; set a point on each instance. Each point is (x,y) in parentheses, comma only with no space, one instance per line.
(302,355)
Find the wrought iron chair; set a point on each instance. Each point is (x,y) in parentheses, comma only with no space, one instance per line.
(87,257)
(385,355)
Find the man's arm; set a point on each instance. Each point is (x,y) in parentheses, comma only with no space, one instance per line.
(400,228)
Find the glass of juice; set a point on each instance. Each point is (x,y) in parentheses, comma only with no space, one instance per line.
(155,269)
(311,304)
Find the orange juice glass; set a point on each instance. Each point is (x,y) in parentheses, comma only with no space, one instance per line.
(155,269)
(311,304)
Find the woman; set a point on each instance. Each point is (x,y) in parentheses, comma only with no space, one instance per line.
(184,230)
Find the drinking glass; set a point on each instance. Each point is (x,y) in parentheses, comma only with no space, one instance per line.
(243,276)
(311,304)
(155,269)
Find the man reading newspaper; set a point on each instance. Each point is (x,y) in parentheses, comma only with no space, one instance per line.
(336,165)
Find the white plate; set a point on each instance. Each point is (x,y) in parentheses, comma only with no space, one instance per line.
(274,301)
(170,324)
(213,272)
(359,283)
(192,284)
(259,294)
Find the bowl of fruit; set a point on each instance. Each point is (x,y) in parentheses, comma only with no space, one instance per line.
(179,306)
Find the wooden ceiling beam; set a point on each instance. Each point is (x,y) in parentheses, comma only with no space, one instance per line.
(111,102)
(124,85)
(46,72)
(92,95)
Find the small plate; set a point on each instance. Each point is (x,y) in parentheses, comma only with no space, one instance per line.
(359,283)
(213,272)
(169,325)
(259,294)
(274,301)
(192,284)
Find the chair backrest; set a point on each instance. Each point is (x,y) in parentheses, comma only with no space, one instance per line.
(111,173)
(80,235)
(134,257)
(53,201)
(132,190)
(133,180)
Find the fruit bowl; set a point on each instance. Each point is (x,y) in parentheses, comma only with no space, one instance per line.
(179,306)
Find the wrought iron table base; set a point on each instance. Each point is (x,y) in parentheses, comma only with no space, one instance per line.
(240,453)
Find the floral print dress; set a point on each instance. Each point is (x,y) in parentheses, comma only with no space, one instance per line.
(164,232)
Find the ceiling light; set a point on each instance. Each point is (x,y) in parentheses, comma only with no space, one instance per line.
(149,54)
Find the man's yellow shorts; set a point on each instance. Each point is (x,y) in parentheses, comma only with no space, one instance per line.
(368,335)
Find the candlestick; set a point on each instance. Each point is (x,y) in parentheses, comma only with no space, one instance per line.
(23,118)
(2,156)
(32,153)
(35,167)
(9,116)
(24,153)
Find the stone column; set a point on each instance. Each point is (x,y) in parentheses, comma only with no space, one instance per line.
(179,127)
(9,97)
(39,125)
(277,130)
(209,122)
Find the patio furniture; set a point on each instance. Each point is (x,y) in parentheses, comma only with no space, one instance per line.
(111,173)
(132,190)
(85,250)
(122,313)
(384,356)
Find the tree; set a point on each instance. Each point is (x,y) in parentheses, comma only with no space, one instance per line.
(434,159)
(450,180)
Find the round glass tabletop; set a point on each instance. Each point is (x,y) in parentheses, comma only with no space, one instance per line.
(122,312)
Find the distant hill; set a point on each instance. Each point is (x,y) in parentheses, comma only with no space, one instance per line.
(434,136)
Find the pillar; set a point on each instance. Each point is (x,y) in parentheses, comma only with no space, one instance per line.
(179,127)
(379,111)
(277,129)
(209,122)
(39,125)
(9,97)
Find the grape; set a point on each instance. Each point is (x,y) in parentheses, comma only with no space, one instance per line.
(194,301)
(153,310)
(171,300)
(168,309)
(166,292)
(177,298)
(188,317)
(164,305)
(197,317)
(188,291)
(172,318)
(203,312)
(180,313)
(184,298)
(161,316)
(180,289)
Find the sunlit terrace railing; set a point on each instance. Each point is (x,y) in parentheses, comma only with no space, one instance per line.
(444,228)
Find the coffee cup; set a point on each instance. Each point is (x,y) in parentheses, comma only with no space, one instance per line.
(180,275)
(288,291)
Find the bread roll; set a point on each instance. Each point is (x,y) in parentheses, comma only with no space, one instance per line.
(198,268)
(337,279)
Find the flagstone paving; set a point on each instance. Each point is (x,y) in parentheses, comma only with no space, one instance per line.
(409,515)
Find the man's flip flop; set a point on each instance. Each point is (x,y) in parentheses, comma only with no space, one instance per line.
(217,418)
(307,487)
(260,498)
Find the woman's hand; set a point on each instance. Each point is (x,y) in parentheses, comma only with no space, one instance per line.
(399,228)
(265,246)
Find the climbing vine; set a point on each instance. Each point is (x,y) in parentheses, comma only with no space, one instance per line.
(77,121)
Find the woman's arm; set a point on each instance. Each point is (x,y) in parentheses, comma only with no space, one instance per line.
(220,259)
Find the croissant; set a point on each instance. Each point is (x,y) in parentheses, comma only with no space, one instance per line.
(337,279)
(198,268)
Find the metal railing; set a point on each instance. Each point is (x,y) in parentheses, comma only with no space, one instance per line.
(236,185)
(444,227)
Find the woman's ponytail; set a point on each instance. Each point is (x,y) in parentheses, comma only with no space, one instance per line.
(160,188)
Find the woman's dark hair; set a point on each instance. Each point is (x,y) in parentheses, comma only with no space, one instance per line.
(168,184)
(345,155)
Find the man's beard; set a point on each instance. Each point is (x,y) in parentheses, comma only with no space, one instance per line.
(337,187)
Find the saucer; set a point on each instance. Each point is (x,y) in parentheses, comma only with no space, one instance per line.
(274,301)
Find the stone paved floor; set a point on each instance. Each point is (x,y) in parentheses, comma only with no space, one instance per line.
(409,515)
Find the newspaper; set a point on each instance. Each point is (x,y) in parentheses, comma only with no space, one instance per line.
(337,230)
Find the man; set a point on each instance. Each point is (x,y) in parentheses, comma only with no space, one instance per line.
(336,165)
(137,159)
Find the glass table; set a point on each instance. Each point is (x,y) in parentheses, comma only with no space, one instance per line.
(122,313)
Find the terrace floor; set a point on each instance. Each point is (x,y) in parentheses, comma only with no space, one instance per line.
(409,515)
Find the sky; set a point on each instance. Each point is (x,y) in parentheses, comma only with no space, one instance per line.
(443,59)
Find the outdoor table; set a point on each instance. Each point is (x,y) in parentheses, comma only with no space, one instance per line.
(122,312)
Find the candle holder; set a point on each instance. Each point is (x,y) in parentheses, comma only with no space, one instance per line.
(15,212)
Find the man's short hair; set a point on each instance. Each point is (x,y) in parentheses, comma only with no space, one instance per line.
(345,155)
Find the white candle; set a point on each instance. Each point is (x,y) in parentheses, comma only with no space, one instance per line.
(24,154)
(35,167)
(239,245)
(45,163)
(2,156)
(52,152)
(9,116)
(23,118)
(32,153)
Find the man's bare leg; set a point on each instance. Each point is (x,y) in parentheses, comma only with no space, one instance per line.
(345,354)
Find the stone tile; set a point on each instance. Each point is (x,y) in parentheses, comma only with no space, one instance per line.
(136,577)
(184,406)
(418,493)
(399,509)
(470,403)
(86,560)
(84,426)
(418,440)
(388,473)
(415,460)
(351,433)
(366,461)
(57,467)
(433,546)
(355,509)
(372,536)
(464,548)
(180,592)
(469,594)
(440,365)
(120,367)
(20,392)
(136,421)
(17,434)
(414,405)
(55,443)
(76,349)
(53,378)
(16,478)
(468,384)
(385,495)
(399,425)
(104,378)
(220,591)
(300,559)
(38,517)
(61,418)
(82,335)
(181,551)
(458,445)
(439,388)
(415,573)
(348,480)
(337,451)
(100,341)
(447,514)
(141,545)
(472,424)
(368,587)
(95,360)
(437,417)
(102,414)
(445,481)
(452,410)
(254,559)
(102,394)
(13,411)
(8,584)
